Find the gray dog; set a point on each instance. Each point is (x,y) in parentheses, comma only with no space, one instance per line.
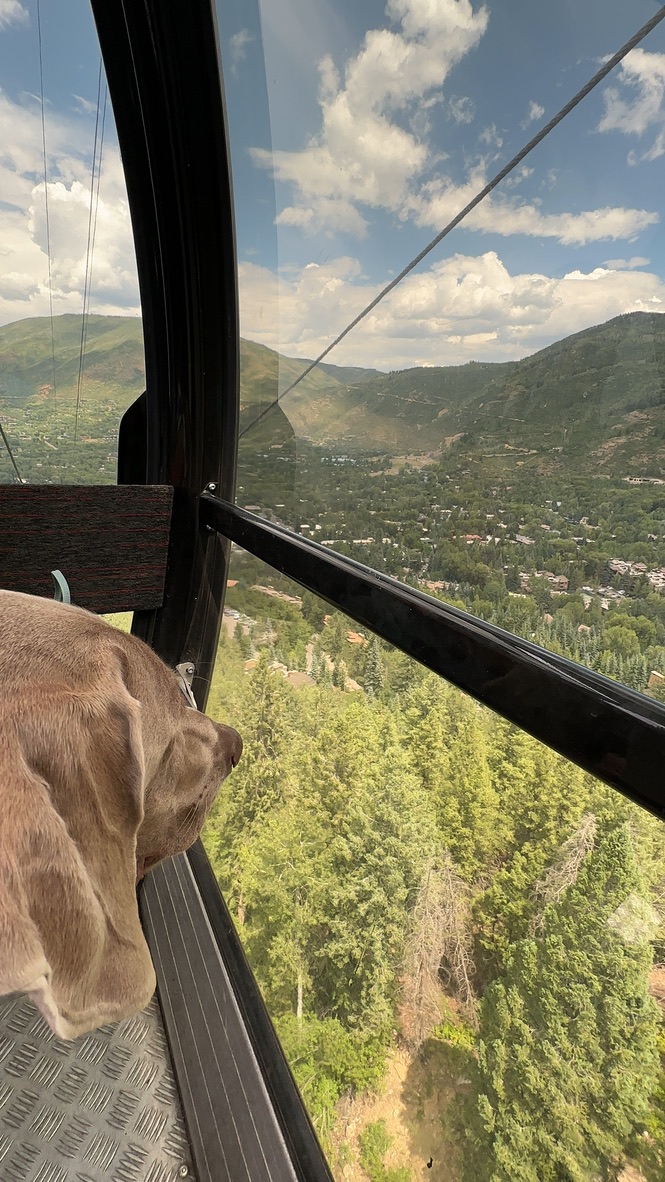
(105,771)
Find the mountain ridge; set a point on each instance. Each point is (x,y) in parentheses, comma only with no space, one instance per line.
(602,386)
(597,395)
(114,356)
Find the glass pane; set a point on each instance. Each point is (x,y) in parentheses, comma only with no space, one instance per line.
(458,934)
(493,431)
(71,339)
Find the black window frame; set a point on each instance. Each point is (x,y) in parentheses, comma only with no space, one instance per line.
(165,80)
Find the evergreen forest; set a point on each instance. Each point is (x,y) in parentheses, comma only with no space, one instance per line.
(458,934)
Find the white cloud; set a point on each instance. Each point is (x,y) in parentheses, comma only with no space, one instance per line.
(373,150)
(114,276)
(535,112)
(490,136)
(23,251)
(362,155)
(637,105)
(17,287)
(461,108)
(626,264)
(462,308)
(85,104)
(13,13)
(238,45)
(517,176)
(441,199)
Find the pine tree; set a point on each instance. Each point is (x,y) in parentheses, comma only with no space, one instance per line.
(380,833)
(467,802)
(567,1058)
(426,727)
(282,870)
(334,637)
(243,641)
(325,673)
(260,782)
(339,675)
(373,675)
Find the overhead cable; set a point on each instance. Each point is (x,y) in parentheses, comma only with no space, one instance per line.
(88,253)
(10,454)
(48,227)
(94,224)
(480,196)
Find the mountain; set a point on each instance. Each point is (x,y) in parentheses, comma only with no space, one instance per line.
(598,396)
(393,411)
(114,365)
(265,374)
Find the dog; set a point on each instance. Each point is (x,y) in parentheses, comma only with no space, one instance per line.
(105,770)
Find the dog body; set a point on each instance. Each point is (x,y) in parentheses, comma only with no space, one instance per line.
(104,771)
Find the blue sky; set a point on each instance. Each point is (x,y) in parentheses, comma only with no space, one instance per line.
(357,131)
(71,69)
(70,52)
(363,128)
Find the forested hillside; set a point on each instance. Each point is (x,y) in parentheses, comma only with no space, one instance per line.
(421,886)
(599,394)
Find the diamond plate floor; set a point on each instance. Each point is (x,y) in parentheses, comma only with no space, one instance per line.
(103,1108)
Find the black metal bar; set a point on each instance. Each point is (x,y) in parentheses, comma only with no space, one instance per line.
(164,76)
(605,728)
(306,1153)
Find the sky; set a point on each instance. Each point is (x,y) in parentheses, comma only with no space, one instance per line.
(71,61)
(357,132)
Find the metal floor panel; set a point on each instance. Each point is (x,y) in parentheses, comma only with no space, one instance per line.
(101,1108)
(235,1134)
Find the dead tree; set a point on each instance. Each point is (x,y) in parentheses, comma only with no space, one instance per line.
(439,940)
(564,869)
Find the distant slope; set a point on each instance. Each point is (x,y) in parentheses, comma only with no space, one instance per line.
(265,374)
(596,398)
(353,374)
(599,395)
(114,371)
(114,365)
(392,410)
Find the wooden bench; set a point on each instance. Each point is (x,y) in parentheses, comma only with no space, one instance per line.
(109,541)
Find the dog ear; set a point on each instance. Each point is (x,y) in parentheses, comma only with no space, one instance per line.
(72,767)
(178,798)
